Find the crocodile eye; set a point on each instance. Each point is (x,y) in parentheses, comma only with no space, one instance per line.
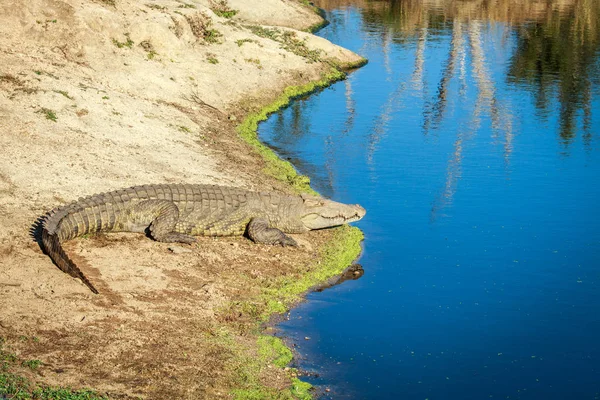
(312,202)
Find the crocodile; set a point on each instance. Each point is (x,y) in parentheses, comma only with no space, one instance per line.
(179,212)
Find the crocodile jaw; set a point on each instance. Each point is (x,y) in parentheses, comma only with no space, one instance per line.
(321,213)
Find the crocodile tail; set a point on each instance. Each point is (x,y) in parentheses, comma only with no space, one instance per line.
(53,248)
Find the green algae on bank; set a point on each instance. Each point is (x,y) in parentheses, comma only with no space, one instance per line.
(271,352)
(276,167)
(334,257)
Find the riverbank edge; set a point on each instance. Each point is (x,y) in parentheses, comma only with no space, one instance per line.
(277,167)
(334,256)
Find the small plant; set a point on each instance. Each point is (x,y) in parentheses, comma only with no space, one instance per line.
(254,61)
(241,42)
(105,97)
(221,8)
(31,364)
(292,43)
(268,33)
(186,5)
(149,48)
(200,24)
(64,93)
(212,60)
(289,41)
(212,36)
(156,7)
(185,129)
(50,114)
(128,43)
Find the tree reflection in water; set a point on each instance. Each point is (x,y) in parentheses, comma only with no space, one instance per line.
(555,58)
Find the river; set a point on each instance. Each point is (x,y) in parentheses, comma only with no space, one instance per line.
(471,138)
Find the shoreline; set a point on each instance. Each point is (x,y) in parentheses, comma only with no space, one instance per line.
(202,308)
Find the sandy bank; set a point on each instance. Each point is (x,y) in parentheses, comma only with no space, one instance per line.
(105,94)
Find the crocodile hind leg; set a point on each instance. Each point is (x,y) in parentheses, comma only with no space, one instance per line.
(260,232)
(166,216)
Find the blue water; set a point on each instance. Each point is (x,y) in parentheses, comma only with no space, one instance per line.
(473,145)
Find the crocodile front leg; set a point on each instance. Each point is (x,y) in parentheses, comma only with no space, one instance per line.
(260,232)
(166,216)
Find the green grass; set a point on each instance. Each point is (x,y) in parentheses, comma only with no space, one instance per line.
(17,387)
(272,349)
(301,390)
(289,41)
(156,7)
(31,364)
(186,5)
(222,9)
(127,43)
(269,33)
(240,42)
(254,61)
(226,13)
(212,36)
(64,93)
(50,114)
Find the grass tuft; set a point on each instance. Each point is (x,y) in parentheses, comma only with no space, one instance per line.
(289,41)
(240,42)
(31,364)
(272,349)
(221,8)
(201,26)
(301,390)
(64,93)
(127,43)
(50,114)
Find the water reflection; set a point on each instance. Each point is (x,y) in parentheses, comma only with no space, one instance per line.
(553,46)
(559,57)
(555,55)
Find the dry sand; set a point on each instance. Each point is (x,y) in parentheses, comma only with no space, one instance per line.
(100,95)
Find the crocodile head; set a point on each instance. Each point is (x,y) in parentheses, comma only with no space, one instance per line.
(318,213)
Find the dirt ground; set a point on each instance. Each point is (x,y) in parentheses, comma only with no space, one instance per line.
(105,94)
